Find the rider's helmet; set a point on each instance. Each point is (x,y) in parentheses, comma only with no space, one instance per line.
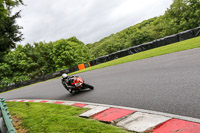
(64,75)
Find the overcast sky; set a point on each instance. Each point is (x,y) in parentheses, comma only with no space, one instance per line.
(88,20)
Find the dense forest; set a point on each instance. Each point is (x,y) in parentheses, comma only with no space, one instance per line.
(20,63)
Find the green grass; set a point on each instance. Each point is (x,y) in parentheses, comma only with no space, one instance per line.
(53,118)
(175,47)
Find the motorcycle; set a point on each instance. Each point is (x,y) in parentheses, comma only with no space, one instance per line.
(78,85)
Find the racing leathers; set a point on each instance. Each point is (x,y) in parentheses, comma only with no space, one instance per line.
(67,82)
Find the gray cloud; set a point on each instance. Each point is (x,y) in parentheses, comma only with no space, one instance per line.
(88,20)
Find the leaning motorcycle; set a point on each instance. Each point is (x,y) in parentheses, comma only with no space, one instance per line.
(78,85)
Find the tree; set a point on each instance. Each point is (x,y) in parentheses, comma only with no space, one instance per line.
(140,37)
(182,15)
(16,64)
(44,55)
(9,30)
(5,71)
(69,52)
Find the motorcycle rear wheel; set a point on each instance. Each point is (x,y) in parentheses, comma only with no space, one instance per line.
(88,86)
(70,90)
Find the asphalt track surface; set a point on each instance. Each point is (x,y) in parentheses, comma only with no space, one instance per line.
(168,83)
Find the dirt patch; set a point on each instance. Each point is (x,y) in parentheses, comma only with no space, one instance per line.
(17,125)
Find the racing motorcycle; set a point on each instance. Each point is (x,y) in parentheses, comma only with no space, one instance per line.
(78,85)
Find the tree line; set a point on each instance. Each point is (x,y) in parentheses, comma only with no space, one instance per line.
(33,61)
(20,63)
(182,15)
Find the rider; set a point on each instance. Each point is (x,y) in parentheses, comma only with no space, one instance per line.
(66,81)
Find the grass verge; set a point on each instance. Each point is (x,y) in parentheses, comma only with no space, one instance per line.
(175,47)
(53,118)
